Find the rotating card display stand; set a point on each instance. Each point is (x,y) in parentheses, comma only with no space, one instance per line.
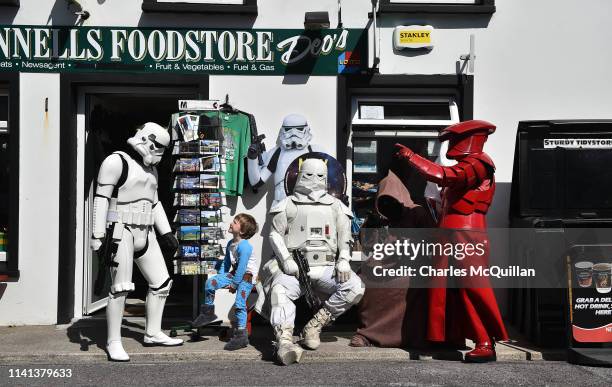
(197,180)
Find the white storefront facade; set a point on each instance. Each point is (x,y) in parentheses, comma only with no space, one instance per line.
(531,60)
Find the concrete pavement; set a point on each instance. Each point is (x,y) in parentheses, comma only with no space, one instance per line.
(84,342)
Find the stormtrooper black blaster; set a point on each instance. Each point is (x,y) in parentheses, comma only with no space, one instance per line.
(257,147)
(106,255)
(311,298)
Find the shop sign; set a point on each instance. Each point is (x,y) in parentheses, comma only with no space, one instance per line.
(413,37)
(191,105)
(578,143)
(181,50)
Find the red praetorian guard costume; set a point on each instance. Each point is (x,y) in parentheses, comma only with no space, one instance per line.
(468,189)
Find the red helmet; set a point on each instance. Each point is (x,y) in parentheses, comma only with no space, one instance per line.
(466,138)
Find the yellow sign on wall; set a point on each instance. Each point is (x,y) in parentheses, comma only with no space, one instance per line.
(413,37)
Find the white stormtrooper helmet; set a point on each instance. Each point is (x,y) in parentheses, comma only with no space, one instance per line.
(150,141)
(295,132)
(312,178)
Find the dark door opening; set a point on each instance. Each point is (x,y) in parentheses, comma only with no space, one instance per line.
(111,118)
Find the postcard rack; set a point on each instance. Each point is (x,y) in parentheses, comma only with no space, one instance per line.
(197,179)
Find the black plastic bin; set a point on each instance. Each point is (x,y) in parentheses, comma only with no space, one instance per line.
(562,181)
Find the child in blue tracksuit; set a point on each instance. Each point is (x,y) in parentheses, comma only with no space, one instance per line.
(238,273)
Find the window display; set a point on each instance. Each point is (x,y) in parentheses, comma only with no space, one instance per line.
(364,156)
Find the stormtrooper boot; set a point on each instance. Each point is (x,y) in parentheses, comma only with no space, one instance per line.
(312,331)
(155,308)
(116,352)
(160,338)
(114,316)
(286,351)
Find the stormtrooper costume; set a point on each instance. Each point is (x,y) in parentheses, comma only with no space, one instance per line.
(126,200)
(293,141)
(317,224)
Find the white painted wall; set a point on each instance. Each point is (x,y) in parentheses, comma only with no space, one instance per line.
(33,299)
(541,59)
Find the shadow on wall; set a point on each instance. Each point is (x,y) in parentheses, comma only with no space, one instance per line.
(195,20)
(62,13)
(445,22)
(7,14)
(2,289)
(295,79)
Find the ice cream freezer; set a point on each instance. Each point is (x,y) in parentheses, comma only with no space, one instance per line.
(562,190)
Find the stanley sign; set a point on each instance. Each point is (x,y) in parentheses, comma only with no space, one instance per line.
(413,37)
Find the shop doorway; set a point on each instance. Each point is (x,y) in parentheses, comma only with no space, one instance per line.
(106,118)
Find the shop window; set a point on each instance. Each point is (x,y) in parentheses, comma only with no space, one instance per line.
(364,156)
(438,6)
(392,112)
(377,124)
(201,6)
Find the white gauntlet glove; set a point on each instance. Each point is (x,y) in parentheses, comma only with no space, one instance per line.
(289,266)
(343,270)
(95,243)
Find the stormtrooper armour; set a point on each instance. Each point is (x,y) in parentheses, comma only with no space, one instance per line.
(313,232)
(317,224)
(126,200)
(293,141)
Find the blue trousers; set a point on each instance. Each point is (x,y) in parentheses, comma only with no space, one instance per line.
(221,281)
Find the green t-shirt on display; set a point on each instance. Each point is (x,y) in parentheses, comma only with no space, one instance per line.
(236,142)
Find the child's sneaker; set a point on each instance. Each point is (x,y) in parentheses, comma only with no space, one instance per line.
(240,340)
(206,317)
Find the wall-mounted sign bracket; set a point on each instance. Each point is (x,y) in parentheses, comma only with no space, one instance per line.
(470,58)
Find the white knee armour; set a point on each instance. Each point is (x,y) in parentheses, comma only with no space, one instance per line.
(279,296)
(124,287)
(163,290)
